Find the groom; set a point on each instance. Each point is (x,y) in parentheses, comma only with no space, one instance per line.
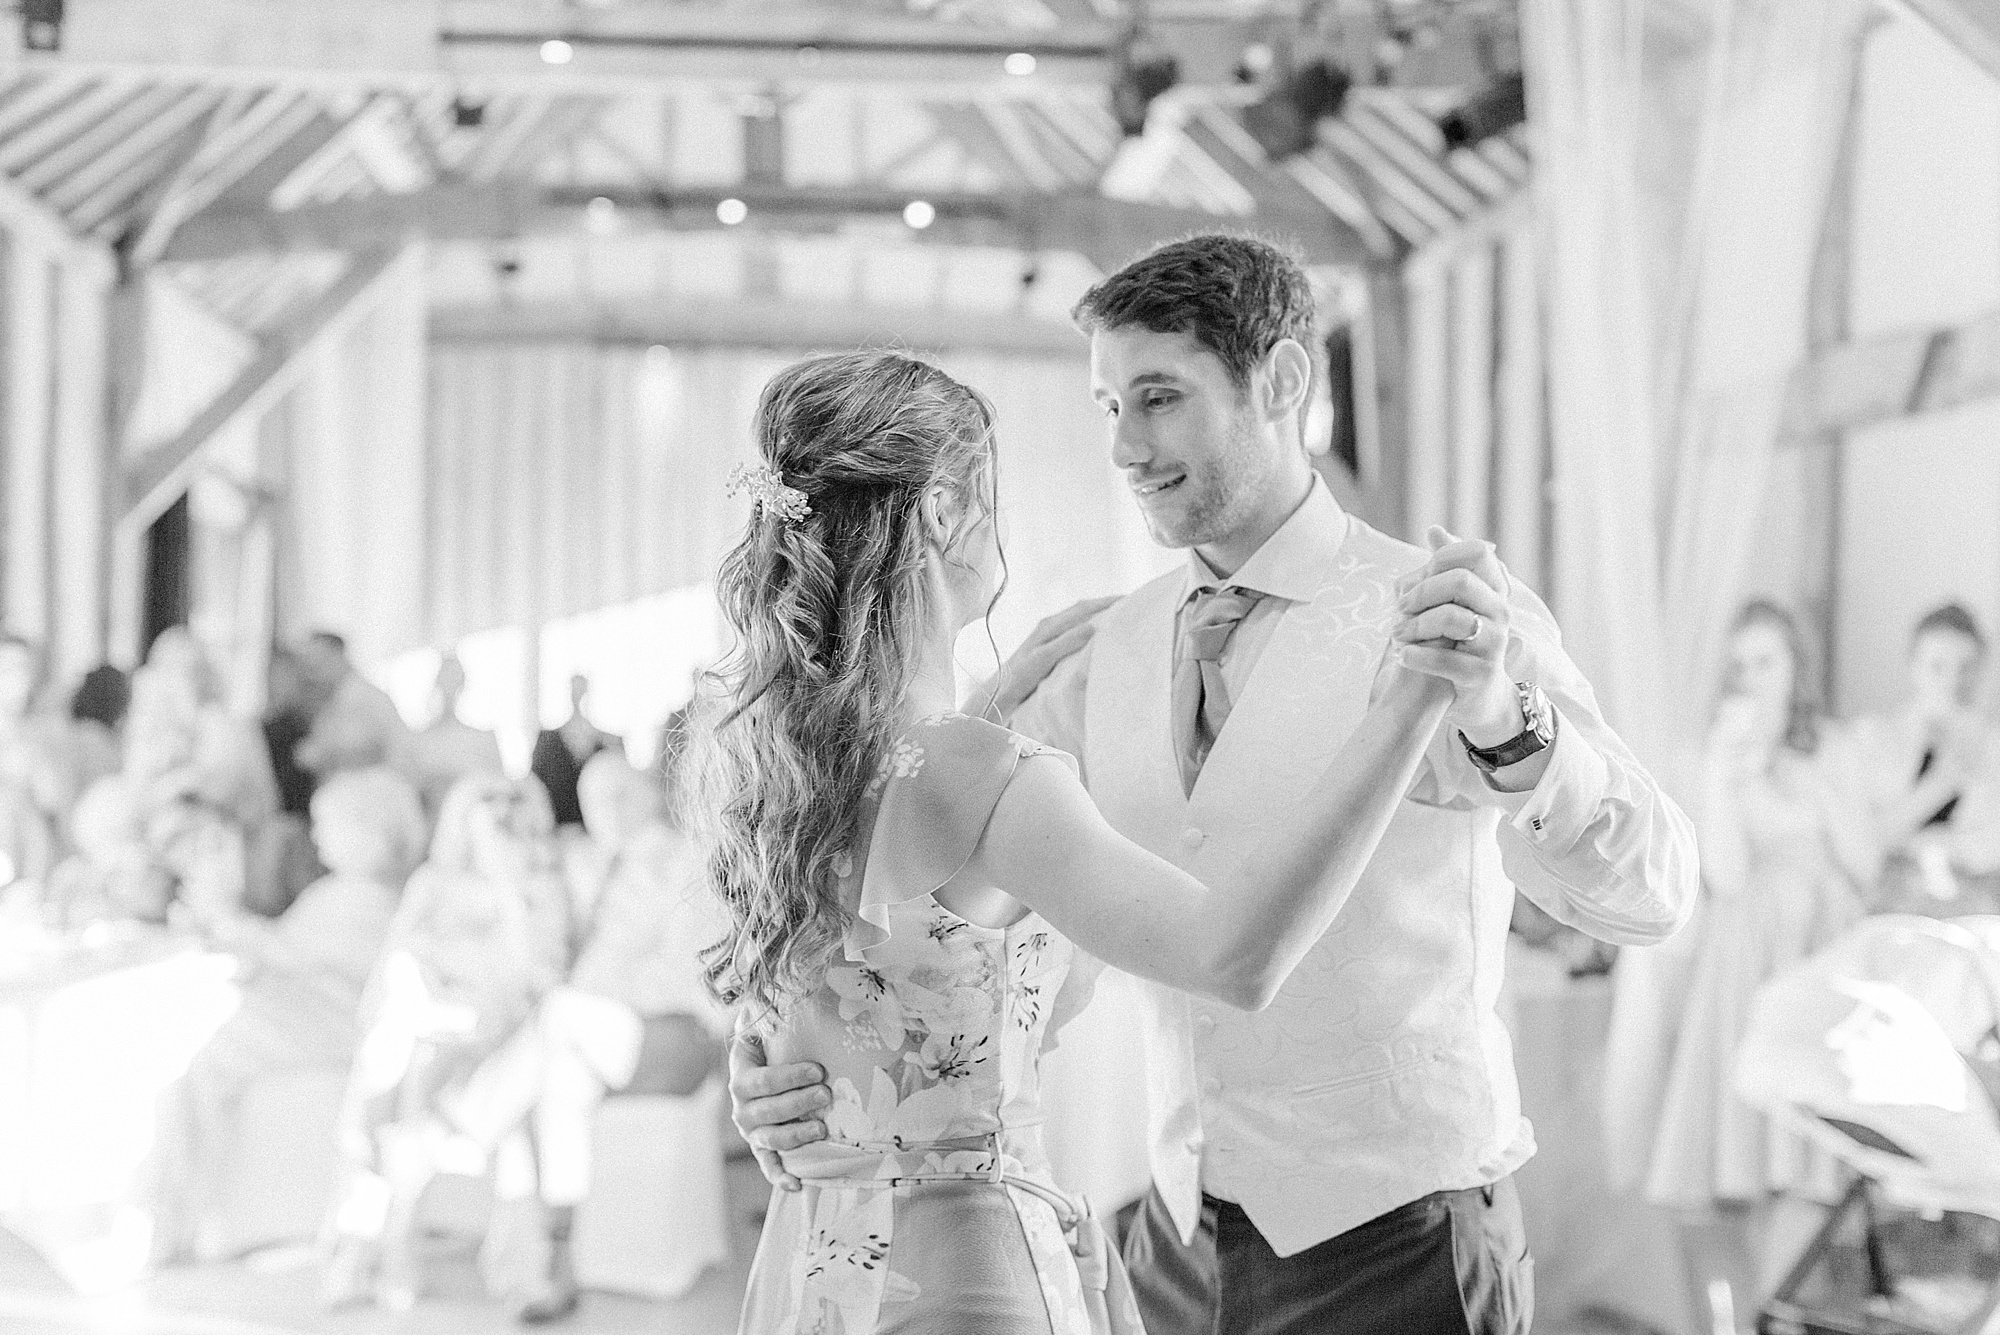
(1340,1162)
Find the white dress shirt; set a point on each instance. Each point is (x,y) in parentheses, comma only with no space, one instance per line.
(1382,1072)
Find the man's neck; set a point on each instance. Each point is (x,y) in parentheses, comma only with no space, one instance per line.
(1229,555)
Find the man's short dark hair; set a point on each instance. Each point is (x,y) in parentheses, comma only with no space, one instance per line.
(1236,295)
(1950,617)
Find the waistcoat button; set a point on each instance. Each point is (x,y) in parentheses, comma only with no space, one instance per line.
(1192,837)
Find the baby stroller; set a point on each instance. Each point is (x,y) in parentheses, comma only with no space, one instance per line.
(1883,1050)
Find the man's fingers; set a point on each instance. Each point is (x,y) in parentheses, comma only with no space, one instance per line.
(773,1169)
(787,1137)
(1456,586)
(749,1082)
(778,1109)
(1461,669)
(1449,622)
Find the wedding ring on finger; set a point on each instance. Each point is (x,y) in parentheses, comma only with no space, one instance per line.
(1478,625)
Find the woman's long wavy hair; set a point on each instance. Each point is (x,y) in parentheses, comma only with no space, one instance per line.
(827,614)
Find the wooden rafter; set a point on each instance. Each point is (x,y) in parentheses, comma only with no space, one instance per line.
(1105,230)
(755,322)
(230,150)
(1973,26)
(155,477)
(1890,376)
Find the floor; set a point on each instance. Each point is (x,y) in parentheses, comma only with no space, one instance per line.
(276,1293)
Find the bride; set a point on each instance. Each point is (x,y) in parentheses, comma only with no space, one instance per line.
(910,888)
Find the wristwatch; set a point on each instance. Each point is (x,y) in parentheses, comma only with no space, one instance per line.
(1537,736)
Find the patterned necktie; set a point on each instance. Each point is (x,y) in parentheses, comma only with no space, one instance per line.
(1201,697)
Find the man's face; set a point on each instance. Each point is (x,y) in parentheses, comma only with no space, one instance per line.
(1185,436)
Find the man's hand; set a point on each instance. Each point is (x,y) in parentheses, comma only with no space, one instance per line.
(775,1108)
(1457,624)
(1055,639)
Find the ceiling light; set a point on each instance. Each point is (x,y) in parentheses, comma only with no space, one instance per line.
(1496,108)
(1021,64)
(731,211)
(555,51)
(919,213)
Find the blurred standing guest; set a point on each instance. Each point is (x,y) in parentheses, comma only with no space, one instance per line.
(301,978)
(633,1013)
(357,726)
(1786,848)
(1933,766)
(449,749)
(97,711)
(200,778)
(289,706)
(561,753)
(483,934)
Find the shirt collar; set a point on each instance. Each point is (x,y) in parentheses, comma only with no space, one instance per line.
(1292,562)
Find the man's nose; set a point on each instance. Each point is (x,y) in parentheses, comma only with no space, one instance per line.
(1129,445)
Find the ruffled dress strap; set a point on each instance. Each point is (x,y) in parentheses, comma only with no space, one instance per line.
(933,796)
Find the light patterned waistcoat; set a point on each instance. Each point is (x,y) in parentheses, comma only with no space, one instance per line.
(1381,1073)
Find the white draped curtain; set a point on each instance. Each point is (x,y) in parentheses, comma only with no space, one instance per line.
(1685,156)
(1677,286)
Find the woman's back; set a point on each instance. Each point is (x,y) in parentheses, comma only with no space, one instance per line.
(929,1205)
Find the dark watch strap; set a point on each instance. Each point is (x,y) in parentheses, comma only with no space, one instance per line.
(1537,736)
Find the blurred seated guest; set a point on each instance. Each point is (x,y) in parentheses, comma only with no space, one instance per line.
(356,725)
(448,749)
(200,779)
(301,978)
(1933,765)
(633,1015)
(289,705)
(97,711)
(38,783)
(482,936)
(112,876)
(561,753)
(1786,850)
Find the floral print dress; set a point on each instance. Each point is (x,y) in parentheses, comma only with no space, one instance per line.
(929,1206)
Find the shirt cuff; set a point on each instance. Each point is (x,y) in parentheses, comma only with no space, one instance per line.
(1555,812)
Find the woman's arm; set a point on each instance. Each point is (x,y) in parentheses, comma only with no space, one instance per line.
(1238,940)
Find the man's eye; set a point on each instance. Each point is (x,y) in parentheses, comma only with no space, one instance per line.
(1159,400)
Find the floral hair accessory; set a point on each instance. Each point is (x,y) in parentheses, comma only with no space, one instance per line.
(767,487)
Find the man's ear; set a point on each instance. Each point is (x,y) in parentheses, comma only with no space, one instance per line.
(1288,377)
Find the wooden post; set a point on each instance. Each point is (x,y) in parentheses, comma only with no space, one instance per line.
(1520,398)
(1471,306)
(1427,390)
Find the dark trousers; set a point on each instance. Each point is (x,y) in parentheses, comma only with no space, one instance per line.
(1452,1263)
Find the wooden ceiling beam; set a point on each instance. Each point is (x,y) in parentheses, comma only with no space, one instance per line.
(1890,376)
(1105,230)
(756,323)
(157,476)
(1973,26)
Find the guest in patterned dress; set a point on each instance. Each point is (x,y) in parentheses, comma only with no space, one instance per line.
(909,887)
